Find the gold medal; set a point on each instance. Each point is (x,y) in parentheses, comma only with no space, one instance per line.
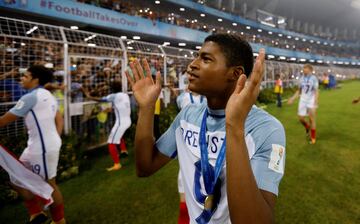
(209,201)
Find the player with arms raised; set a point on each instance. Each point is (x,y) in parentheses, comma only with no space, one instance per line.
(243,188)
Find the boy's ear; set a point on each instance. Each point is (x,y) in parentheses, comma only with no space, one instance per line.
(236,72)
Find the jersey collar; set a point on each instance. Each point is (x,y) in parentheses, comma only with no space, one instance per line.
(37,87)
(216,113)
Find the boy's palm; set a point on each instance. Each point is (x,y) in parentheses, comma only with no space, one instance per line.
(145,90)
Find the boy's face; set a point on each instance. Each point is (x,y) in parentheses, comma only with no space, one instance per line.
(208,73)
(27,81)
(307,70)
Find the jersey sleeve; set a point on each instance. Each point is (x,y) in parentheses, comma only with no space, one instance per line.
(167,142)
(24,105)
(108,98)
(268,162)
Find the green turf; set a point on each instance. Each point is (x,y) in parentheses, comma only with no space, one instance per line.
(321,182)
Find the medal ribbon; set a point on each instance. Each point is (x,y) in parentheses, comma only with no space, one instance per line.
(210,177)
(191,98)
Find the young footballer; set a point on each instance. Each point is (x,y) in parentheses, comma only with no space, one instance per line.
(309,100)
(121,105)
(231,154)
(44,124)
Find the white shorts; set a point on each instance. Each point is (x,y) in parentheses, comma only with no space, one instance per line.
(44,165)
(118,131)
(180,184)
(304,106)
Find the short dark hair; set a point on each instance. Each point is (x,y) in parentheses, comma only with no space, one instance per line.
(116,86)
(42,73)
(237,51)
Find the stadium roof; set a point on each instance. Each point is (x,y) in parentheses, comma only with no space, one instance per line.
(335,13)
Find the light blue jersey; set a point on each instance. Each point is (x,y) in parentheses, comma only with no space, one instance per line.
(186,98)
(309,85)
(265,140)
(39,108)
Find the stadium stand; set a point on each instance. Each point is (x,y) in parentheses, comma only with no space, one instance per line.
(91,61)
(193,20)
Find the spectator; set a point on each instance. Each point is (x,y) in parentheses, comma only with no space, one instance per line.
(278,89)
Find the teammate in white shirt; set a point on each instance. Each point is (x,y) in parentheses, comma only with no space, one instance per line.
(243,189)
(44,123)
(186,98)
(309,100)
(121,105)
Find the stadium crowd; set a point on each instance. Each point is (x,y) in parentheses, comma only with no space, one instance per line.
(147,10)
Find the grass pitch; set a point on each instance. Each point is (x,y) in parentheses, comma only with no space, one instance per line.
(321,182)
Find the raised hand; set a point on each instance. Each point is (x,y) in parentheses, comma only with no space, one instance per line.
(145,90)
(244,96)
